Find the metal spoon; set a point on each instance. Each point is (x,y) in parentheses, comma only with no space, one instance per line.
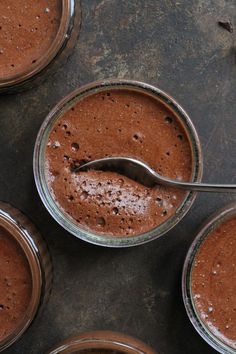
(141,172)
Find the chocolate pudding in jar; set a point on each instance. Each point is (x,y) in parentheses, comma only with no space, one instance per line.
(15,284)
(25,274)
(209,281)
(213,282)
(117,123)
(27,31)
(116,118)
(33,37)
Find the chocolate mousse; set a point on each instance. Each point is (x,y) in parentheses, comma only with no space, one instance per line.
(15,284)
(116,123)
(214,282)
(27,30)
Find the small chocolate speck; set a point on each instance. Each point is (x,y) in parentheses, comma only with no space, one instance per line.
(159,201)
(168,120)
(180,137)
(75,146)
(101,221)
(227,25)
(115,211)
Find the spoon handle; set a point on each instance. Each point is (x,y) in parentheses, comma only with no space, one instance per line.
(201,187)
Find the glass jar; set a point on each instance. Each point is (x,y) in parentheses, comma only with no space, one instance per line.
(33,247)
(39,162)
(208,227)
(59,49)
(107,341)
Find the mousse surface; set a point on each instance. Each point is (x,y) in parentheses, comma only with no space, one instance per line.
(27,30)
(116,123)
(214,282)
(15,284)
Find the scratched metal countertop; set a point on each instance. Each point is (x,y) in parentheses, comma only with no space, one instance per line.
(179,47)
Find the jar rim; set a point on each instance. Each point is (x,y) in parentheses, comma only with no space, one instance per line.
(49,55)
(69,101)
(107,340)
(225,213)
(27,245)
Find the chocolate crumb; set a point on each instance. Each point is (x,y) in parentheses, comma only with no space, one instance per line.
(227,25)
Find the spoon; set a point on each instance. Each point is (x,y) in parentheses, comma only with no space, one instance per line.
(141,172)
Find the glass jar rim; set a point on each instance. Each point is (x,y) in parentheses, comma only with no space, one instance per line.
(69,101)
(25,242)
(107,340)
(208,226)
(49,55)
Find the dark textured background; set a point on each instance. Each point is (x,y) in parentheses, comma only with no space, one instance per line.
(179,47)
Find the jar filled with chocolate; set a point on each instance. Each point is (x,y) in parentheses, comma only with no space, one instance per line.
(116,118)
(34,40)
(25,277)
(209,281)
